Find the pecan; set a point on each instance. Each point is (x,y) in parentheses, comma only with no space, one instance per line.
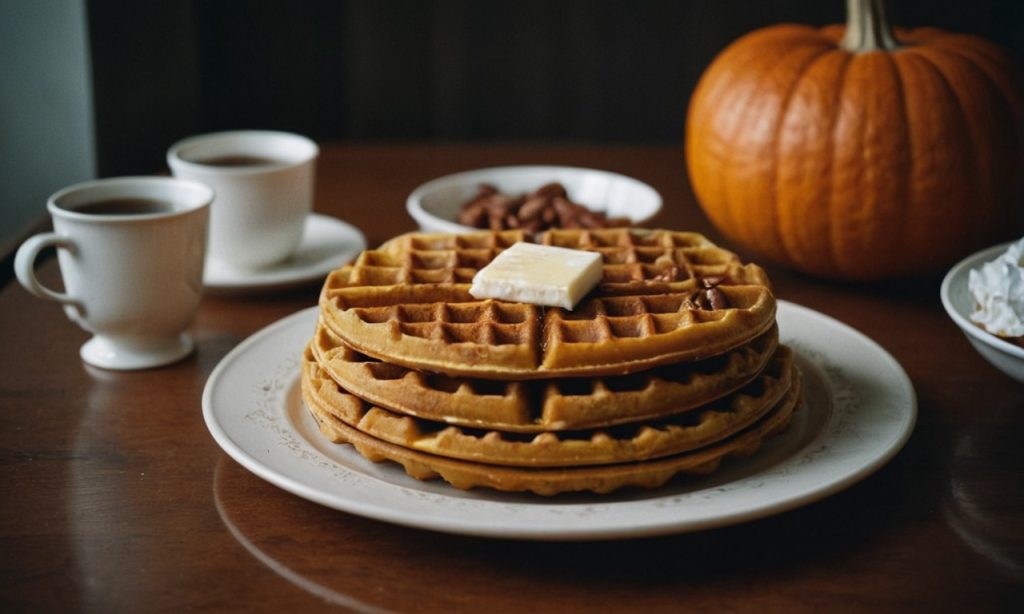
(485,189)
(496,220)
(568,222)
(715,299)
(590,219)
(709,297)
(474,214)
(568,214)
(498,204)
(532,226)
(533,207)
(550,190)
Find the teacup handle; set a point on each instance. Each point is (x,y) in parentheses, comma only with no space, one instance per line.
(25,265)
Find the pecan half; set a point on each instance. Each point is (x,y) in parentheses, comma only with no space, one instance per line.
(546,207)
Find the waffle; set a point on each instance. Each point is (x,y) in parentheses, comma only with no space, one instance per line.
(545,405)
(678,433)
(549,481)
(664,297)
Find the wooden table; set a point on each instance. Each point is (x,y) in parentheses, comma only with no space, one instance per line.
(116,498)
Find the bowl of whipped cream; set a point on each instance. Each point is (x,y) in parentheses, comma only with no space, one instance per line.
(984,295)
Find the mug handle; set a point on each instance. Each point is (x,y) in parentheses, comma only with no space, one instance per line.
(25,264)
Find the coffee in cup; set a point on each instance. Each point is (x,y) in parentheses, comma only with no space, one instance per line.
(126,206)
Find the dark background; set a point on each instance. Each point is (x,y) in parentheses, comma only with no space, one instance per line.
(443,70)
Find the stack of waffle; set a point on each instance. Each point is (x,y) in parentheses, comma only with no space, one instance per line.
(670,365)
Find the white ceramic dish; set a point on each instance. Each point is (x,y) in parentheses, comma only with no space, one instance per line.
(859,410)
(956,298)
(327,243)
(435,204)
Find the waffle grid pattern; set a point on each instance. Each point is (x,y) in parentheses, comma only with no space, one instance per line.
(653,306)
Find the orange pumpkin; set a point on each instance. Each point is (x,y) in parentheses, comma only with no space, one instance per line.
(855,152)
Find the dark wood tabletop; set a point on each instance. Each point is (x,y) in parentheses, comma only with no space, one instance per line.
(115,497)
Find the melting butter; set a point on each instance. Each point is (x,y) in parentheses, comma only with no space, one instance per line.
(540,275)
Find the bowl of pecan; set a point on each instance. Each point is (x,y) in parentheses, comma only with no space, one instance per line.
(532,198)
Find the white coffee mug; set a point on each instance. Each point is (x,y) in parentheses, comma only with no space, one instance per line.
(264,184)
(131,253)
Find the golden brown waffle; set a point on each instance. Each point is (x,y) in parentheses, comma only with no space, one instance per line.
(549,481)
(665,297)
(631,442)
(545,405)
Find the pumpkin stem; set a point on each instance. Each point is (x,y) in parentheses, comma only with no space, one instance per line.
(867,29)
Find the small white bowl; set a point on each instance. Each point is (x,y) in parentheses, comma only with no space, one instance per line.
(956,298)
(435,205)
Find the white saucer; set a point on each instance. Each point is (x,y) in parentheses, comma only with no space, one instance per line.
(327,243)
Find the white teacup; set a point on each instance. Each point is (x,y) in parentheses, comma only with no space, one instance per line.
(131,253)
(264,184)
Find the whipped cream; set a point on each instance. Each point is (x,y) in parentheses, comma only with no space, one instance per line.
(998,292)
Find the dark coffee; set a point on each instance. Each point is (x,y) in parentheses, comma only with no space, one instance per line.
(125,206)
(238,161)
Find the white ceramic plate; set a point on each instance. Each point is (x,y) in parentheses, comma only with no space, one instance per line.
(859,410)
(327,243)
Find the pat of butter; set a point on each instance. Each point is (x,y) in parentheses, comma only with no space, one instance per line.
(539,274)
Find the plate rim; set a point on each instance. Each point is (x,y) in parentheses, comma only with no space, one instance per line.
(457,525)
